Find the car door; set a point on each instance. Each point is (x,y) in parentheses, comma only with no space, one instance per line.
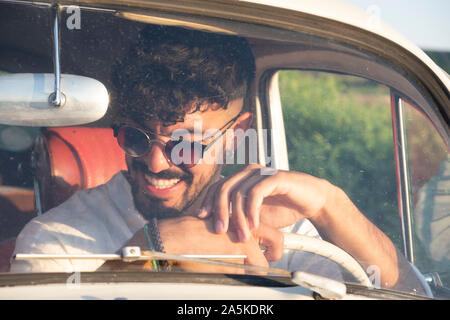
(423,161)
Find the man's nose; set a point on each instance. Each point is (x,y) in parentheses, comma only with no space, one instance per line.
(155,158)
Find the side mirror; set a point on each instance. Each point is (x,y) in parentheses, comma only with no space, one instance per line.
(25,100)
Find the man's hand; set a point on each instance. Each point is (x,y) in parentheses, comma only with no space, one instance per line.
(277,200)
(281,199)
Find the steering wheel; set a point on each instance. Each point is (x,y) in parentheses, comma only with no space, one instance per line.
(320,247)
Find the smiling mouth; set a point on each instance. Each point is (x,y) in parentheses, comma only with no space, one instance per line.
(161,183)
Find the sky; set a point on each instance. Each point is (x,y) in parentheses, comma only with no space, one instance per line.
(424,22)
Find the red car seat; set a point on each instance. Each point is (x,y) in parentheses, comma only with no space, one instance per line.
(69,159)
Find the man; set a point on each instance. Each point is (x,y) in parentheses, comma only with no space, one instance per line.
(173,80)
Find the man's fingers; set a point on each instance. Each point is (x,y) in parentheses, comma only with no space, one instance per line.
(243,195)
(238,217)
(242,222)
(219,202)
(255,197)
(273,240)
(205,210)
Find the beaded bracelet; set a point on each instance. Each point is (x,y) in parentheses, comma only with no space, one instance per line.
(156,240)
(152,248)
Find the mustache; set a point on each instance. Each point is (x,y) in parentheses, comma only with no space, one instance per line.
(166,174)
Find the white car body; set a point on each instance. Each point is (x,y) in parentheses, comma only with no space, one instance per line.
(435,82)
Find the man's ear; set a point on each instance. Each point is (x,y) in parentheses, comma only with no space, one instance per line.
(244,122)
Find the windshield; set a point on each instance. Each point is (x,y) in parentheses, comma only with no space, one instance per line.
(205,152)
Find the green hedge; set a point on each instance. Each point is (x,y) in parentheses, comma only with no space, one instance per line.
(339,128)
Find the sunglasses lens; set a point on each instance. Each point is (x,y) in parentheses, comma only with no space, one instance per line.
(179,152)
(184,153)
(133,141)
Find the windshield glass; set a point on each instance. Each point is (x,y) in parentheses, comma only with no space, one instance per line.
(189,161)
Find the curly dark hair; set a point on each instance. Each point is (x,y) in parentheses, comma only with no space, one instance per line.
(173,71)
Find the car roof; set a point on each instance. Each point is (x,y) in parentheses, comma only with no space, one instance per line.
(347,13)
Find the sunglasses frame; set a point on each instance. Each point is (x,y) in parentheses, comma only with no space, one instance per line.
(147,133)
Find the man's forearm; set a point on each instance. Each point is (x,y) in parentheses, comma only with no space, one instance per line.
(340,221)
(188,235)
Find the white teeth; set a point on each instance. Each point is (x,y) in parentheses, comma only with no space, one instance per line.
(161,183)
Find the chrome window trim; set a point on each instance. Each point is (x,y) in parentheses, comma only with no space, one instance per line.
(402,168)
(268,85)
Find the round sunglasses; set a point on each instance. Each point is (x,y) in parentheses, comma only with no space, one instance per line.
(136,143)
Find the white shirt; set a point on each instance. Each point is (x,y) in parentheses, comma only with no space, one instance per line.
(98,220)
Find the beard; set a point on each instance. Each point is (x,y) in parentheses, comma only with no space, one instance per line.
(154,207)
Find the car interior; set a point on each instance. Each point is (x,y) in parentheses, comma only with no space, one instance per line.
(63,160)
